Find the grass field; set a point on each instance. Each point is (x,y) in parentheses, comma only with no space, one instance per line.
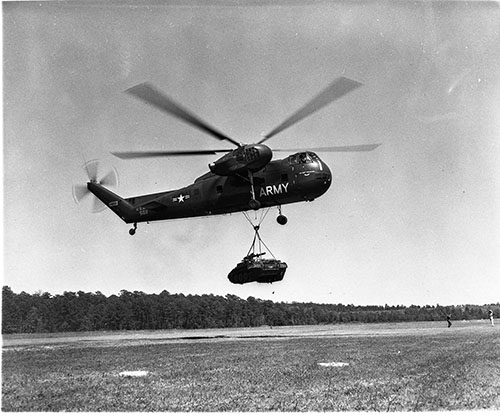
(398,367)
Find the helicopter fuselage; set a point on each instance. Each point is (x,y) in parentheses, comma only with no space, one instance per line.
(299,177)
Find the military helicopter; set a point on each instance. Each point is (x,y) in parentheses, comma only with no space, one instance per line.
(244,178)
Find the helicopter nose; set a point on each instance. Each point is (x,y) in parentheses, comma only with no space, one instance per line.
(324,176)
(315,181)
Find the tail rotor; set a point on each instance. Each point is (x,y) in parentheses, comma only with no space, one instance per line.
(80,191)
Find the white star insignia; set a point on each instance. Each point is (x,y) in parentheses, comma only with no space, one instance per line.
(181,198)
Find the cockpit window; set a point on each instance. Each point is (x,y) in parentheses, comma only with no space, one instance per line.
(303,158)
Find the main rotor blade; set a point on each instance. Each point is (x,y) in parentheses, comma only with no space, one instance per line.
(334,91)
(154,154)
(150,95)
(350,148)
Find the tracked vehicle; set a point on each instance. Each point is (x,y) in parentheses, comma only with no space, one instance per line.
(255,268)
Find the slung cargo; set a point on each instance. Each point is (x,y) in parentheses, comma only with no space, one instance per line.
(254,268)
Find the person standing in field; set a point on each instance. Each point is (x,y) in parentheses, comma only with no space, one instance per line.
(492,321)
(448,319)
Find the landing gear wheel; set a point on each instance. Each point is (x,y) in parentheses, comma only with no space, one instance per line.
(282,219)
(254,204)
(131,232)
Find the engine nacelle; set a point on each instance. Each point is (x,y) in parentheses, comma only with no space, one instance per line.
(246,158)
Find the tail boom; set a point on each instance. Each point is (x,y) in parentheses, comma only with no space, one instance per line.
(114,202)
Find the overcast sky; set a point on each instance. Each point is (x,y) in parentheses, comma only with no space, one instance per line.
(416,221)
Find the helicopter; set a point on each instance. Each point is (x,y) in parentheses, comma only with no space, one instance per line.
(244,178)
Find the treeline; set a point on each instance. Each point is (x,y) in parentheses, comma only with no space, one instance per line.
(81,311)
